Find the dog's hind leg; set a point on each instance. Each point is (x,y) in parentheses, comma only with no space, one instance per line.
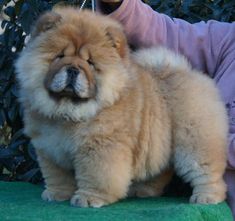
(60,183)
(200,159)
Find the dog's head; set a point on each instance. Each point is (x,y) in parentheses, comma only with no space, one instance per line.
(74,64)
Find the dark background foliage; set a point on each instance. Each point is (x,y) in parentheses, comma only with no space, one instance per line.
(17,156)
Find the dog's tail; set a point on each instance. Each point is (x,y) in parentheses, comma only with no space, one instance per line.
(160,58)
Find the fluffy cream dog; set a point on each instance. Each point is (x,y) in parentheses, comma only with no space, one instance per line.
(106,123)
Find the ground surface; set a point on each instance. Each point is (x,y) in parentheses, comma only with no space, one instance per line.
(22,202)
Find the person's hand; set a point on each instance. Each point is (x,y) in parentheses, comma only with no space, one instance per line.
(109,6)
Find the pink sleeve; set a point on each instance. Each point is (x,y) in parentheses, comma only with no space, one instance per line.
(201,43)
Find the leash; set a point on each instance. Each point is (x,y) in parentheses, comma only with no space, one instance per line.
(92,5)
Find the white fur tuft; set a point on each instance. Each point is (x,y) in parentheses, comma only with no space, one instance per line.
(59,81)
(160,59)
(82,86)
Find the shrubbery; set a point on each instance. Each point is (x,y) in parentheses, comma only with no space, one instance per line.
(17,157)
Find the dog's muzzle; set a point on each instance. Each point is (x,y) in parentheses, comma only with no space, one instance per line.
(70,82)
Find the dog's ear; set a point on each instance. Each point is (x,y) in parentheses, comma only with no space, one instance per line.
(45,22)
(118,39)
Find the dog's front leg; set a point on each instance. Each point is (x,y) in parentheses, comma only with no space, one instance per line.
(60,183)
(103,173)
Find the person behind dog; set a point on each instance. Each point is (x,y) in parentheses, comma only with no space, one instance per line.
(209,47)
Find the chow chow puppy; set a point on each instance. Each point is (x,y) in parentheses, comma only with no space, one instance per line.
(107,123)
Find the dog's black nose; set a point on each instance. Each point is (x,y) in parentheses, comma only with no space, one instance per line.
(72,75)
(72,71)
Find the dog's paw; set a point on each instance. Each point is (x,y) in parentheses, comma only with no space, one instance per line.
(205,198)
(48,196)
(86,200)
(55,196)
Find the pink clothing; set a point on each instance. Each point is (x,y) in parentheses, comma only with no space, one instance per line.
(210,47)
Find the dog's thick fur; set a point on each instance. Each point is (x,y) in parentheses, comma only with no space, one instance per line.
(139,115)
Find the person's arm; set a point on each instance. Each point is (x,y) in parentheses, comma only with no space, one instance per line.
(201,43)
(108,6)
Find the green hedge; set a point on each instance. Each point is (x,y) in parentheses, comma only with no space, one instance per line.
(17,156)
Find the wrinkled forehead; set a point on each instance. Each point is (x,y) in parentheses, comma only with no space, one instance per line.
(71,37)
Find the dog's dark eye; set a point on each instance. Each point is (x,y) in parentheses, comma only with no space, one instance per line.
(90,62)
(59,56)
